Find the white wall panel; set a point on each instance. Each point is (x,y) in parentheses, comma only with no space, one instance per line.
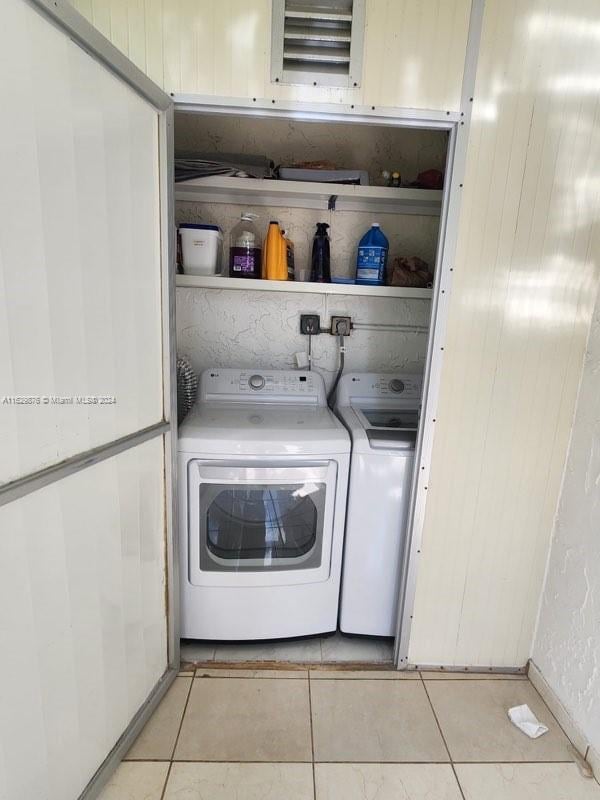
(525,281)
(414,49)
(567,643)
(82,620)
(79,248)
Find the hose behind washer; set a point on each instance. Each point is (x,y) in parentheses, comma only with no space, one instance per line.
(331,395)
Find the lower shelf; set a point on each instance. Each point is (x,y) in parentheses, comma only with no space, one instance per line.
(249,284)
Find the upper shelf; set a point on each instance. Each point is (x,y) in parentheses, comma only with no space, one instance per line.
(300,194)
(248,284)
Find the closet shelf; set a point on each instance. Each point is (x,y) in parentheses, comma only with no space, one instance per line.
(249,285)
(300,194)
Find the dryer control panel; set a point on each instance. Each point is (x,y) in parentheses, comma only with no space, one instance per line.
(262,386)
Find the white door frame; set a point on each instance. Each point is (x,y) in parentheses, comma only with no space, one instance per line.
(456,124)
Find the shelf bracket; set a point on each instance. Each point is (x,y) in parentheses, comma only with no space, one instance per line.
(332,201)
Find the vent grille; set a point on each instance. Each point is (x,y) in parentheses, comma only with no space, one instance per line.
(318,41)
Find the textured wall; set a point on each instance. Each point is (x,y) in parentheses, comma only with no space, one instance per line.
(414,49)
(227,328)
(521,304)
(567,643)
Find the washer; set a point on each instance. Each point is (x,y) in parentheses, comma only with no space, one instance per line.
(381,412)
(263,475)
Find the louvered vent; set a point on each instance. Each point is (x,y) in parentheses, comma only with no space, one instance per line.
(317,42)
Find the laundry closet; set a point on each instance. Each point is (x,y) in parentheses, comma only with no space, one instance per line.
(254,330)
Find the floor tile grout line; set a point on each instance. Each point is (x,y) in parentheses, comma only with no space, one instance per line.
(187,700)
(437,722)
(312,738)
(168,775)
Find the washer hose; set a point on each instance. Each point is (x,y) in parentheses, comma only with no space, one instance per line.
(331,395)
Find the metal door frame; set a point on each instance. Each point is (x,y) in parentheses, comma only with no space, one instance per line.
(456,125)
(62,15)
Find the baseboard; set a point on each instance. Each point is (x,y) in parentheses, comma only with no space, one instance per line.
(499,671)
(593,759)
(564,719)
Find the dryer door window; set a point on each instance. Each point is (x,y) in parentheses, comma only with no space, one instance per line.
(262,527)
(260,524)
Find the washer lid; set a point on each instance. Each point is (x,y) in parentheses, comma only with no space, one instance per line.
(370,433)
(389,418)
(256,429)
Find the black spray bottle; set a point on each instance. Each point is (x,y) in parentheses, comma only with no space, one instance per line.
(320,271)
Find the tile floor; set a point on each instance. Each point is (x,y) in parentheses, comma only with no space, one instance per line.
(314,733)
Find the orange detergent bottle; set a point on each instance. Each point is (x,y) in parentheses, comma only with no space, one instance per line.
(275,254)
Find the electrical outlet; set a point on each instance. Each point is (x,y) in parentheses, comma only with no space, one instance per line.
(341,326)
(310,324)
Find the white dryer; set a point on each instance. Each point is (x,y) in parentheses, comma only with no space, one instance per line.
(381,413)
(263,475)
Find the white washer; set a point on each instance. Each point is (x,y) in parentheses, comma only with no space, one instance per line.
(263,475)
(381,413)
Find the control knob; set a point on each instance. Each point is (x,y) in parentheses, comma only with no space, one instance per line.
(256,382)
(396,385)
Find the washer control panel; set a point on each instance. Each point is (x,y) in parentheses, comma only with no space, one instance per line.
(252,385)
(360,387)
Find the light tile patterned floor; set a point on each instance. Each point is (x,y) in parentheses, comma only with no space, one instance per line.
(346,734)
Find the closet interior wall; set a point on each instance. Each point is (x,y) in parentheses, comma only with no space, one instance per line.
(227,328)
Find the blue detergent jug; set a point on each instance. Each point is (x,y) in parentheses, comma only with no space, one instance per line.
(372,257)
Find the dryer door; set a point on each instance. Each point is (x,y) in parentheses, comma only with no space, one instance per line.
(262,525)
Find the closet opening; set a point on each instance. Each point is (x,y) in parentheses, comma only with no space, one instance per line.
(301,384)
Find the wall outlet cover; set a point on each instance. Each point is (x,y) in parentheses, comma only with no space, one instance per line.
(310,324)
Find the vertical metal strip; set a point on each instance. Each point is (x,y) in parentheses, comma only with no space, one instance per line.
(448,237)
(167,222)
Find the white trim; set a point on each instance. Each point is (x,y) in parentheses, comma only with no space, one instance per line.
(21,487)
(304,287)
(447,240)
(307,194)
(326,112)
(561,714)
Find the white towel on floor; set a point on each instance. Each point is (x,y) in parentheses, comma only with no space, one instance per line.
(524,718)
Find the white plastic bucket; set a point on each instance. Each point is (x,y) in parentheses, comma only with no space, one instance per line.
(201,247)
